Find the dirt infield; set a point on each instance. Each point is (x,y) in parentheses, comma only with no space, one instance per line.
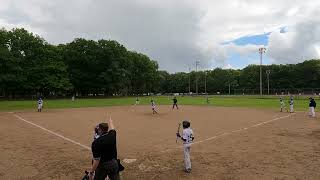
(231,143)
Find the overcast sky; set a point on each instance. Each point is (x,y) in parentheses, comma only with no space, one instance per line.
(176,33)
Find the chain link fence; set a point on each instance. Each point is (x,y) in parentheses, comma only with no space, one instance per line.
(304,91)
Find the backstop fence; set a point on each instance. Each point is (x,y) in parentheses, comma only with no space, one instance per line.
(300,91)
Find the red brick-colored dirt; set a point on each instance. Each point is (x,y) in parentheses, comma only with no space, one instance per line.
(230,143)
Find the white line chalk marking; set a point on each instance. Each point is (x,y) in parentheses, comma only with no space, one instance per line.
(65,138)
(243,129)
(53,133)
(232,132)
(132,160)
(129,160)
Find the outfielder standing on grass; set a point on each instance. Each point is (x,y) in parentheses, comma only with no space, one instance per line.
(175,103)
(187,138)
(104,151)
(40,104)
(137,101)
(312,106)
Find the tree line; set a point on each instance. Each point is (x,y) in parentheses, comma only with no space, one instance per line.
(30,66)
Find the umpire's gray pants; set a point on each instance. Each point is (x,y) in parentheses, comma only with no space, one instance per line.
(186,151)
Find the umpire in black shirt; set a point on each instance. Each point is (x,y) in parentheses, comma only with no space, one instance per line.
(104,151)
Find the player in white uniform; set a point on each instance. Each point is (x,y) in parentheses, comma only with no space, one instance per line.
(40,104)
(291,104)
(312,106)
(282,105)
(187,138)
(153,105)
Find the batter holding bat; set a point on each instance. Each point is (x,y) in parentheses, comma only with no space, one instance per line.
(187,138)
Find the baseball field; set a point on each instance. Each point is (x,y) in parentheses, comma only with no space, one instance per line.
(236,137)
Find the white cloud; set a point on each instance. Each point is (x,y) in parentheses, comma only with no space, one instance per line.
(173,32)
(242,50)
(301,42)
(228,66)
(293,11)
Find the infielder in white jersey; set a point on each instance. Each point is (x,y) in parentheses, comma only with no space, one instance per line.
(282,105)
(291,104)
(187,138)
(40,104)
(153,106)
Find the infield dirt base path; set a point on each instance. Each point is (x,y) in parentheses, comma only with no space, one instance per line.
(228,145)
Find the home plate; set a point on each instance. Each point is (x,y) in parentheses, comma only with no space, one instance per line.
(129,160)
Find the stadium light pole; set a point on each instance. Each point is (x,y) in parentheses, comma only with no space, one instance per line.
(261,51)
(205,82)
(197,64)
(268,74)
(189,81)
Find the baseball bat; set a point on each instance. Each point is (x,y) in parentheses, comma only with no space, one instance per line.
(178,132)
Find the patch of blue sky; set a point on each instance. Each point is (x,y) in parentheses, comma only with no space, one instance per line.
(260,39)
(238,61)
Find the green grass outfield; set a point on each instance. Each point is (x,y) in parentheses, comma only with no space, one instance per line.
(271,102)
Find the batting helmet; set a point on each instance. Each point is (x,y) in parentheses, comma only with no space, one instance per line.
(185,124)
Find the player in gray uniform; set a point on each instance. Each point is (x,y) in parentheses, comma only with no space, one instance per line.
(40,104)
(291,104)
(153,106)
(187,138)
